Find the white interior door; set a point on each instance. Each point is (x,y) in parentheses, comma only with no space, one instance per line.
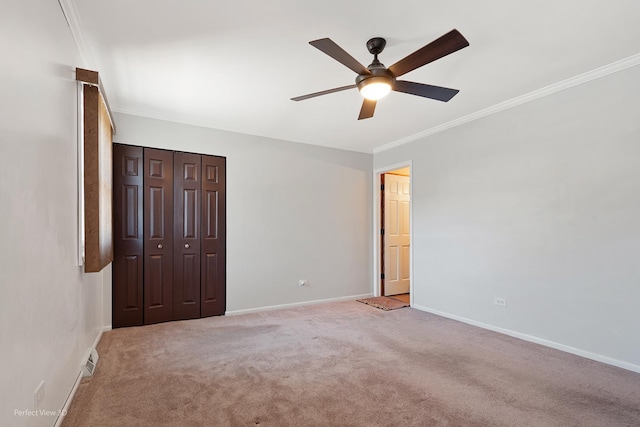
(396,234)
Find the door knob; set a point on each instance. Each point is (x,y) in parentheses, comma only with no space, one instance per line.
(159,245)
(186,245)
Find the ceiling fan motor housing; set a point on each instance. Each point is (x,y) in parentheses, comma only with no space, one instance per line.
(378,74)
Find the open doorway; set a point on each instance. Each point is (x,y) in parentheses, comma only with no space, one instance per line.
(392,226)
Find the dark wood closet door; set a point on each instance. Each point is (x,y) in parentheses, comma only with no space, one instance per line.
(213,280)
(128,245)
(186,236)
(158,235)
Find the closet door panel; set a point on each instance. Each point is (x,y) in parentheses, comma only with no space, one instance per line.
(186,235)
(127,283)
(158,235)
(213,275)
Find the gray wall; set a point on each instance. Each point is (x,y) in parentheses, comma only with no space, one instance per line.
(294,211)
(50,311)
(540,205)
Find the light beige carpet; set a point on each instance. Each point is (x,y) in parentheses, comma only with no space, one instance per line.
(344,364)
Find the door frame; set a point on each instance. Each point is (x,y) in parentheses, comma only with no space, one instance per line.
(377,216)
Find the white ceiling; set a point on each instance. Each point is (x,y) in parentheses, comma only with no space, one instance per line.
(234,65)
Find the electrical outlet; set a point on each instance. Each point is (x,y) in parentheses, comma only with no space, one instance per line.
(303,282)
(38,395)
(502,302)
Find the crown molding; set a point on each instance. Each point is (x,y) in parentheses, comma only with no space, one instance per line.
(597,73)
(70,13)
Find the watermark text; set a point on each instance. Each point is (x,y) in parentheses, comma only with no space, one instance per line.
(39,413)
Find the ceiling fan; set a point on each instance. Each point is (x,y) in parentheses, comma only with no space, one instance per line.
(376,81)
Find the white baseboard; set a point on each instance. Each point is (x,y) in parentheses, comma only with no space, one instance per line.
(295,304)
(76,384)
(536,340)
(67,403)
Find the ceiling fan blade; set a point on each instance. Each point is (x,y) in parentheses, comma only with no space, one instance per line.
(449,43)
(427,91)
(329,47)
(324,92)
(368,107)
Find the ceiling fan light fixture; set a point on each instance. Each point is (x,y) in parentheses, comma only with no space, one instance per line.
(376,81)
(375,88)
